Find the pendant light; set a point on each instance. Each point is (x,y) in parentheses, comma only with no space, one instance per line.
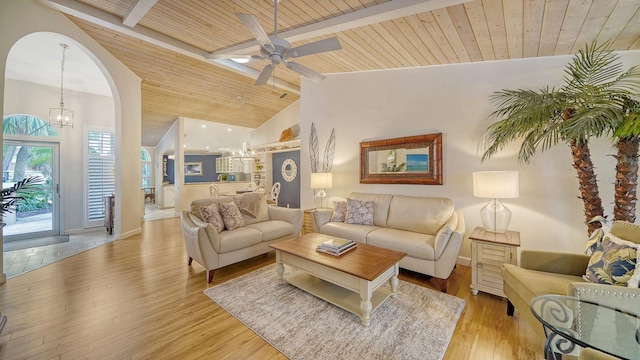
(244,154)
(60,116)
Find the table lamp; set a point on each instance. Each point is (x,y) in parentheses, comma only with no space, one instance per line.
(496,185)
(321,181)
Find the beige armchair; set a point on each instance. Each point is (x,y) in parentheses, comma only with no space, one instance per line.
(542,273)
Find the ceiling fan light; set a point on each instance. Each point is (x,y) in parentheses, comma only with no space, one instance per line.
(240,60)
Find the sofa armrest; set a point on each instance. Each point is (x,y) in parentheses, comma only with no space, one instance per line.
(554,262)
(292,216)
(320,217)
(200,238)
(452,230)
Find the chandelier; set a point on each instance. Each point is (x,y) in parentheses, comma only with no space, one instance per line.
(60,116)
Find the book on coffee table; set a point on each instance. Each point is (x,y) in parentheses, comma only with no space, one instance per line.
(336,251)
(336,244)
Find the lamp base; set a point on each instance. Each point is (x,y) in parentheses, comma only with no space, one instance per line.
(321,194)
(495,217)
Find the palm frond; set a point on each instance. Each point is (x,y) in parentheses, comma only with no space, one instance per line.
(11,195)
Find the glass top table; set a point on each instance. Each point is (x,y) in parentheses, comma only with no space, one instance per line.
(571,324)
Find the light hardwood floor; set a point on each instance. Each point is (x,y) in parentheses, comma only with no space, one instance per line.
(137,299)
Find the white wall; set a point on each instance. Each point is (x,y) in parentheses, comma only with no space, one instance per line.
(89,109)
(454,100)
(270,131)
(20,18)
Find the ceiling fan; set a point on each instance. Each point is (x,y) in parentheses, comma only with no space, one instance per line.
(278,50)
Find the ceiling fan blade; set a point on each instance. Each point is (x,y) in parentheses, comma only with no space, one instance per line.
(265,74)
(251,23)
(217,56)
(315,47)
(305,71)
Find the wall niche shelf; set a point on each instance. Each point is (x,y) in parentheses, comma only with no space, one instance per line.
(278,147)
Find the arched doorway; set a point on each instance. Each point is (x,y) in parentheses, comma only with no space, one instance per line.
(32,86)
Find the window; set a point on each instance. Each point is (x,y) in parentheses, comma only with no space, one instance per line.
(101,178)
(146,168)
(27,125)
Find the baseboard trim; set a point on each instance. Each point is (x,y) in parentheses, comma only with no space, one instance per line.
(462,260)
(128,234)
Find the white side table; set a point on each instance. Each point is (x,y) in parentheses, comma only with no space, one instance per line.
(488,252)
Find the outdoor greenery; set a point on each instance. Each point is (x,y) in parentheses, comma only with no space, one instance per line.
(597,99)
(28,160)
(19,193)
(393,167)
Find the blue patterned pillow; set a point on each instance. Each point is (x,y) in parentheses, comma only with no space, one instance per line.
(613,262)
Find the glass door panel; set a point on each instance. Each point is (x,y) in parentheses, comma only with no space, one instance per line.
(37,214)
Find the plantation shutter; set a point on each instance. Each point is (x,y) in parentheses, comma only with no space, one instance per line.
(101,168)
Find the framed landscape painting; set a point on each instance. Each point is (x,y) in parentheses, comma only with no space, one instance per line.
(192,169)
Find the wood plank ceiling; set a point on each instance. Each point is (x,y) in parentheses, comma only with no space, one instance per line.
(175,84)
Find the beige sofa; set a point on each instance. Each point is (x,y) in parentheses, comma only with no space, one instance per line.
(542,273)
(213,250)
(428,229)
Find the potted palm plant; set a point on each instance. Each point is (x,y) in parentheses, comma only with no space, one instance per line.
(594,101)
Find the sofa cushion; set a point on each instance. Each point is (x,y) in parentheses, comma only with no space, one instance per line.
(231,215)
(613,262)
(211,215)
(380,206)
(359,212)
(416,245)
(531,283)
(347,231)
(339,213)
(273,229)
(239,238)
(419,214)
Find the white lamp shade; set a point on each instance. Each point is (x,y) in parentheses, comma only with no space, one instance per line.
(321,180)
(496,184)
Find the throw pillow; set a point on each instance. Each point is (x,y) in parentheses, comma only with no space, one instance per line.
(339,211)
(359,212)
(613,262)
(211,214)
(231,215)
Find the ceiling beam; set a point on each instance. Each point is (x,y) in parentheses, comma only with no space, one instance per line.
(112,22)
(137,11)
(370,15)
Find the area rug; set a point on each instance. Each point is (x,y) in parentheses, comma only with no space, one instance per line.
(417,324)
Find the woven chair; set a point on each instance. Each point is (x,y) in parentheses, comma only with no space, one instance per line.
(273,196)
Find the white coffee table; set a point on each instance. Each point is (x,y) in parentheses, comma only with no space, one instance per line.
(352,281)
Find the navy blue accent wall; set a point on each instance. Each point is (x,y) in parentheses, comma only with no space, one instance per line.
(209,173)
(289,191)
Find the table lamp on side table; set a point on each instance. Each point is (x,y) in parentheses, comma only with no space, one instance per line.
(321,181)
(496,185)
